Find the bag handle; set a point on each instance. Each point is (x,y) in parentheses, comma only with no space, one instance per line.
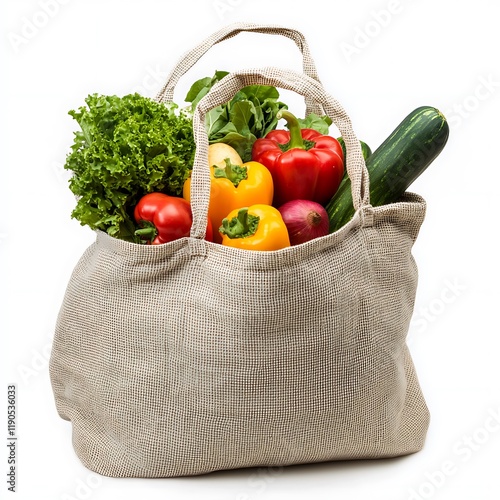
(302,84)
(189,59)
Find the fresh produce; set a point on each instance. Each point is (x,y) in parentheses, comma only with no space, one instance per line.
(248,116)
(399,160)
(219,152)
(304,164)
(233,186)
(364,148)
(258,227)
(305,220)
(163,218)
(127,147)
(251,114)
(319,123)
(131,162)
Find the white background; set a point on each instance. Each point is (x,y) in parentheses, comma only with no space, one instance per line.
(381,59)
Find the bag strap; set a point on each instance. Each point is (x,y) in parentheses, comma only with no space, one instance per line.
(303,85)
(187,61)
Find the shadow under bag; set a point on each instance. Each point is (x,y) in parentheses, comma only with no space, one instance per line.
(190,357)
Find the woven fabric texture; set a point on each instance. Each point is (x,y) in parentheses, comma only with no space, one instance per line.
(190,357)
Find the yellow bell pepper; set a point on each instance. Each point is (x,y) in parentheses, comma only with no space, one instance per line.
(234,186)
(258,227)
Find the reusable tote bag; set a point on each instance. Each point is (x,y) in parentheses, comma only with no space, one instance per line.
(190,357)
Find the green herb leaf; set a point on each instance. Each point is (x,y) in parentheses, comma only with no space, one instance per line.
(316,122)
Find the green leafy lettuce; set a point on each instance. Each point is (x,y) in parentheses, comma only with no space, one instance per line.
(248,116)
(127,147)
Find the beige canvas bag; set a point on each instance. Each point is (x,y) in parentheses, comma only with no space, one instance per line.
(190,357)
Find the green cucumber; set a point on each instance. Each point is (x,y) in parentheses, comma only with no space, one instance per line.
(364,148)
(399,160)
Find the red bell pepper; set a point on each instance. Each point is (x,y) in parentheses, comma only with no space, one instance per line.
(304,164)
(163,218)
